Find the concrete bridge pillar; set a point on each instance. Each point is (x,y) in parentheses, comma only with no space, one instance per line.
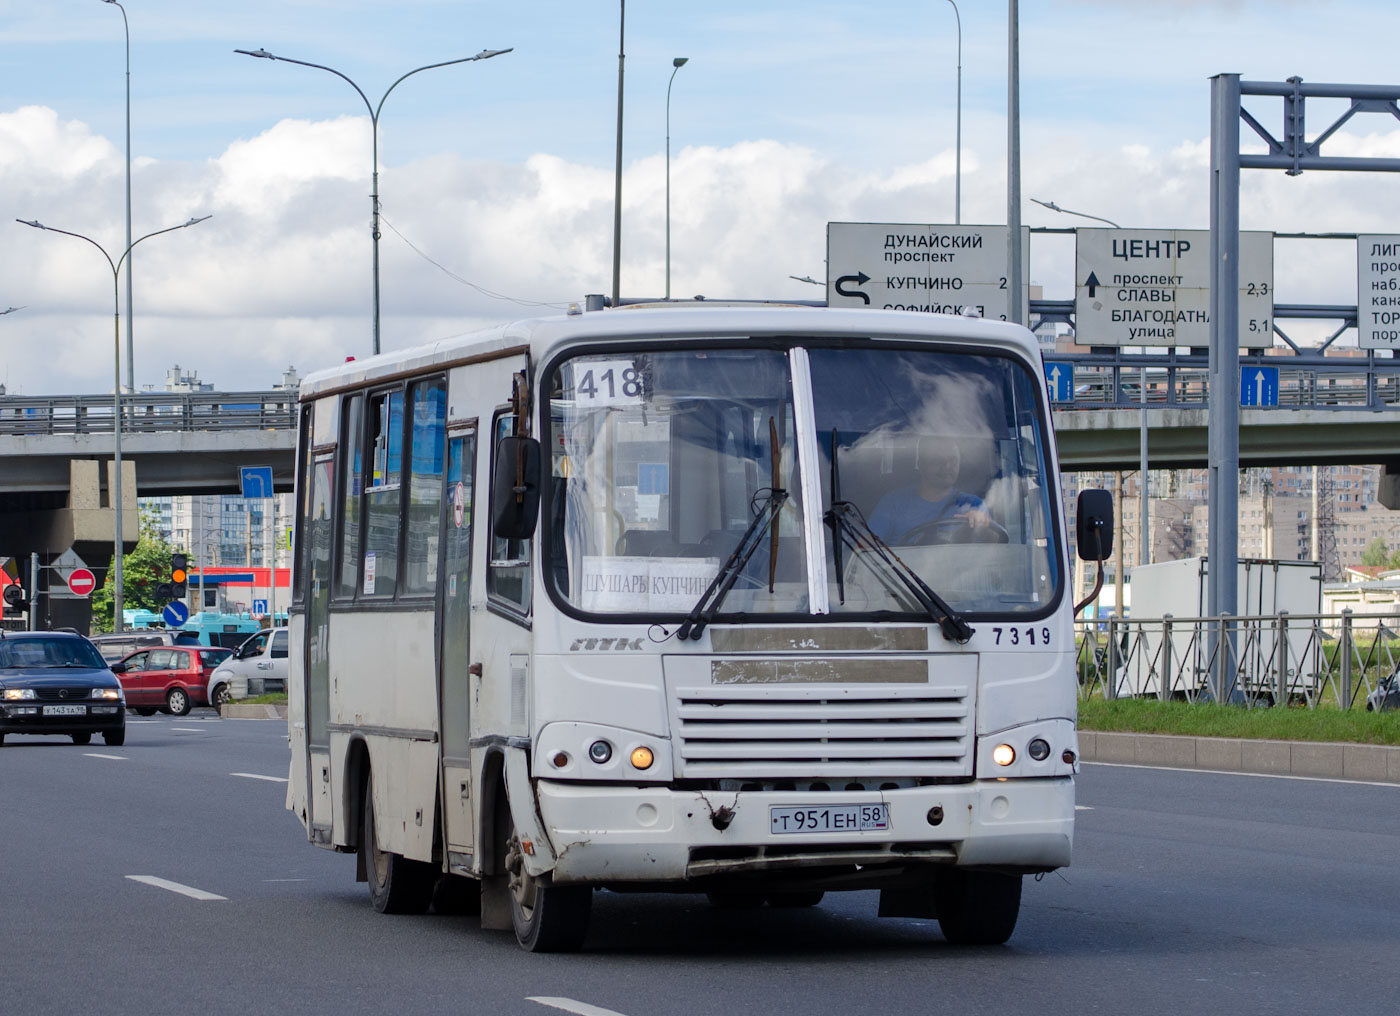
(85,523)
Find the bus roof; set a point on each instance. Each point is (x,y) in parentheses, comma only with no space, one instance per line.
(539,336)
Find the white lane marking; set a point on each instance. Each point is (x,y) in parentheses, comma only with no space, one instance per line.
(258,776)
(570,1005)
(189,730)
(1083,807)
(1262,776)
(115,758)
(176,887)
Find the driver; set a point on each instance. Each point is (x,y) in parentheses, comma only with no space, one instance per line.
(933,498)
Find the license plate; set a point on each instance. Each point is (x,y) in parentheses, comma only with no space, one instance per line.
(65,710)
(830,818)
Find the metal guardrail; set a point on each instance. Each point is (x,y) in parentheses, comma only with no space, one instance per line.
(149,412)
(1115,382)
(1329,660)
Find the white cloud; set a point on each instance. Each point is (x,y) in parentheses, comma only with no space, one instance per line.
(281,274)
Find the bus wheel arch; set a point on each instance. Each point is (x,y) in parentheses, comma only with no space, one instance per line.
(397,884)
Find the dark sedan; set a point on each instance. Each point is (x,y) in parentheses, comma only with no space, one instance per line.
(57,683)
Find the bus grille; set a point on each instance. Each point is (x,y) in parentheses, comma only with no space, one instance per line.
(756,732)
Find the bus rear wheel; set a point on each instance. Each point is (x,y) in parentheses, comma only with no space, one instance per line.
(396,884)
(546,918)
(977,907)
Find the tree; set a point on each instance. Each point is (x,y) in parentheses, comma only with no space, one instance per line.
(1376,554)
(143,569)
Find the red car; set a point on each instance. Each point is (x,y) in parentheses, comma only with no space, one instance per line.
(173,679)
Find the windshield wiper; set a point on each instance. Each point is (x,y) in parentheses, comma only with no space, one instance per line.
(704,610)
(848,526)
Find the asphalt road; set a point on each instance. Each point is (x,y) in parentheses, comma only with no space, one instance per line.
(1190,892)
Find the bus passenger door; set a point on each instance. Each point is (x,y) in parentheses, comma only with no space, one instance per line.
(319,517)
(454,680)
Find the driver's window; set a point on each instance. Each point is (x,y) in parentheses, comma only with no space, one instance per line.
(137,662)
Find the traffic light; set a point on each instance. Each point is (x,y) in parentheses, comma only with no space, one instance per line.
(178,575)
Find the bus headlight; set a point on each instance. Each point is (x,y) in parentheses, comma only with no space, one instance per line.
(1003,754)
(600,752)
(1038,749)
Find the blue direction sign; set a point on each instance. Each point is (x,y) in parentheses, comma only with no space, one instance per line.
(259,606)
(1059,380)
(175,613)
(255,481)
(1259,386)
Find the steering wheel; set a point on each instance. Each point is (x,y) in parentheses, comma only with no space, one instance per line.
(954,530)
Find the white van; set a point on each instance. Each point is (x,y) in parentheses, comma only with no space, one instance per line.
(256,667)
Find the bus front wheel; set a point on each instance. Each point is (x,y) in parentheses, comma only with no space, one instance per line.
(396,884)
(547,918)
(977,907)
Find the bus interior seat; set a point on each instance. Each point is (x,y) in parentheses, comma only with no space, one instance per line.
(648,543)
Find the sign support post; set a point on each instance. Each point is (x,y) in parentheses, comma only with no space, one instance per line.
(1293,154)
(1224,414)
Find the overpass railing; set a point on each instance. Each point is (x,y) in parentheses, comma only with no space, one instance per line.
(148,412)
(1333,383)
(1337,661)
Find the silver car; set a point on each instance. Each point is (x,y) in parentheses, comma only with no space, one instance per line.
(256,667)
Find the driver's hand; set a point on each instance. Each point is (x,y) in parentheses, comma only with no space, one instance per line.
(976,518)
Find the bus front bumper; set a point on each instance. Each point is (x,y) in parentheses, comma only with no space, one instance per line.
(644,834)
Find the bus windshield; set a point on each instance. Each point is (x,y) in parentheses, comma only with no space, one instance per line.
(662,461)
(940,465)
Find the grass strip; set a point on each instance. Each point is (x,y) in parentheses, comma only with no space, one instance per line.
(1140,716)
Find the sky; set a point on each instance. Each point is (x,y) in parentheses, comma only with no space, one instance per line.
(496,177)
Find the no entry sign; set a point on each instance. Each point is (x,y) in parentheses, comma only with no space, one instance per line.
(82,582)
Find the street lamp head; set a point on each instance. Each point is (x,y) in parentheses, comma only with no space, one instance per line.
(193,221)
(36,223)
(1048,204)
(260,53)
(487,54)
(680,61)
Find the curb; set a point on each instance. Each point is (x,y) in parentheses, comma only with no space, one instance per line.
(1373,763)
(266,711)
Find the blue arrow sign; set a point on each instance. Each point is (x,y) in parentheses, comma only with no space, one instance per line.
(1059,380)
(255,481)
(175,613)
(1259,386)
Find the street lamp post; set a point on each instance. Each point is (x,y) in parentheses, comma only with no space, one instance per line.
(374,112)
(677,64)
(1144,544)
(1083,215)
(617,171)
(957,176)
(130,342)
(116,395)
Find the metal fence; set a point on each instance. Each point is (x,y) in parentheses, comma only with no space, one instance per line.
(149,412)
(1336,384)
(1315,660)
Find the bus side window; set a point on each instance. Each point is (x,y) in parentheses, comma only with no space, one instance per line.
(508,572)
(352,445)
(381,522)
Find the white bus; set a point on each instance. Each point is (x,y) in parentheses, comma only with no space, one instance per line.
(686,599)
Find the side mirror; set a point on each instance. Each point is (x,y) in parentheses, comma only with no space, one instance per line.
(515,488)
(1094,525)
(118,668)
